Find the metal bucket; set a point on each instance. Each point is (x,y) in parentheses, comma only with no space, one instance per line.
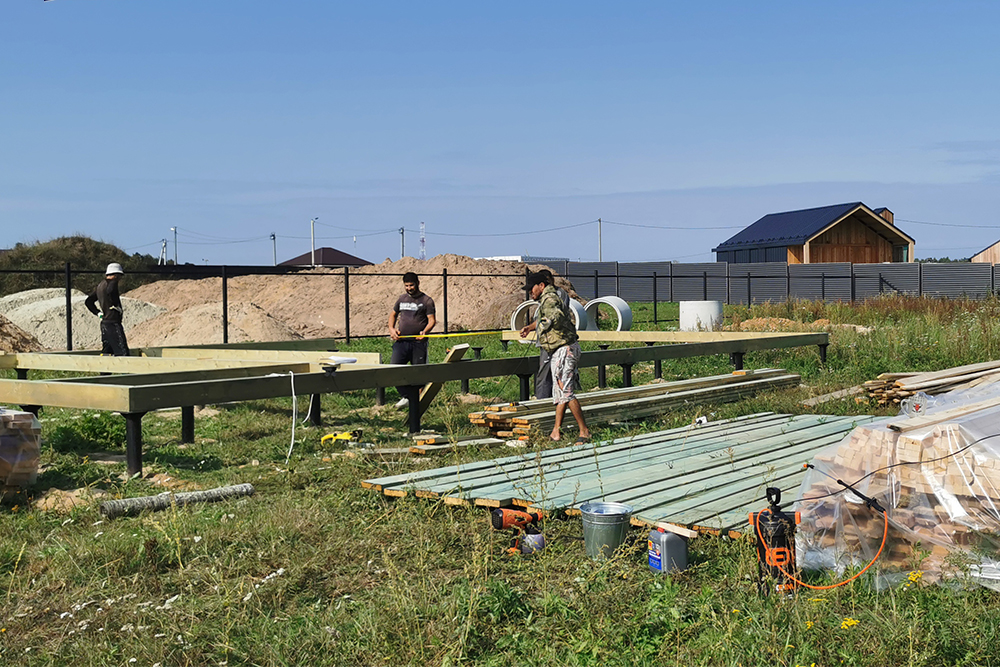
(604,527)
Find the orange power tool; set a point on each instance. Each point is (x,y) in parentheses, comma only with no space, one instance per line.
(524,525)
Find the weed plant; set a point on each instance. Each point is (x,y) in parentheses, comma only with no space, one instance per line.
(315,570)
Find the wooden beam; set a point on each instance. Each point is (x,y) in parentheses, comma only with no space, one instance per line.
(431,389)
(66,395)
(101,364)
(670,336)
(275,356)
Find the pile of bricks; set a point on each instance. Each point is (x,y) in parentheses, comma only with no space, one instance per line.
(20,440)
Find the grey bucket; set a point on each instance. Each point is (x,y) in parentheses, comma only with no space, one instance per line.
(604,527)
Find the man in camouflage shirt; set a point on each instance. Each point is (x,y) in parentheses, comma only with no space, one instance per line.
(557,335)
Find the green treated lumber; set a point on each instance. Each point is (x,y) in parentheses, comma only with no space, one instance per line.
(696,491)
(645,484)
(627,454)
(737,520)
(423,475)
(585,481)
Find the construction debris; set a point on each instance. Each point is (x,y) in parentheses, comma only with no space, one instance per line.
(528,418)
(132,506)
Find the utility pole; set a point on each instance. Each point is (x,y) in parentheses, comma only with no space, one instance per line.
(600,253)
(312,238)
(402,242)
(274,249)
(423,242)
(174,230)
(163,252)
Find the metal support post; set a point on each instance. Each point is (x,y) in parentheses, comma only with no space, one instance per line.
(478,352)
(656,320)
(69,308)
(657,365)
(736,359)
(602,370)
(525,386)
(22,373)
(504,344)
(627,375)
(347,305)
(315,410)
(225,307)
(444,293)
(413,407)
(379,395)
(822,352)
(187,423)
(133,442)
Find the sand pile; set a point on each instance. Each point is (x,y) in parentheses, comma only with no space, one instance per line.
(481,295)
(15,339)
(203,324)
(768,324)
(45,318)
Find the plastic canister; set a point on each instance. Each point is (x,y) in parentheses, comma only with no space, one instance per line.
(667,552)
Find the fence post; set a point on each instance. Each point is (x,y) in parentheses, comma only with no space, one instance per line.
(618,281)
(854,286)
(347,305)
(225,307)
(596,284)
(749,294)
(69,308)
(655,318)
(444,291)
(527,292)
(704,285)
(670,286)
(920,279)
(822,286)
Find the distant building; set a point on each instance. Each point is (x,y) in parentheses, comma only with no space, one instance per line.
(527,259)
(841,233)
(330,257)
(989,255)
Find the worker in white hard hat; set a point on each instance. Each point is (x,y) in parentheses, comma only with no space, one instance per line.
(107,297)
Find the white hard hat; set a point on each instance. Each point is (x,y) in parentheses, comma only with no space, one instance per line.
(114,267)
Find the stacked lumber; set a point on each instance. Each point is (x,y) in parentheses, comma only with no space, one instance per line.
(894,387)
(528,418)
(20,440)
(940,485)
(432,443)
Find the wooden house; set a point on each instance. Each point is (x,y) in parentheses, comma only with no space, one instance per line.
(841,233)
(990,255)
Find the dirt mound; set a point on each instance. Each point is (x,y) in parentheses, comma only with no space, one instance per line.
(18,299)
(15,339)
(765,324)
(45,319)
(481,295)
(203,324)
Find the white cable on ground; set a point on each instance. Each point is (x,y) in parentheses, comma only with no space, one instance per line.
(295,417)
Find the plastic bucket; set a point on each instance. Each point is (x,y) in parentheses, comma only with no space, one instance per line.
(604,527)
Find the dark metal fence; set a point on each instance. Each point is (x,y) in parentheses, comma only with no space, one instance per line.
(648,282)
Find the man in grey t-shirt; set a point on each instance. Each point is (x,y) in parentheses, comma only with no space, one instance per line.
(411,318)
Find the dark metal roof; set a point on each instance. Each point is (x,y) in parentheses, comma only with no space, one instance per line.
(326,257)
(788,228)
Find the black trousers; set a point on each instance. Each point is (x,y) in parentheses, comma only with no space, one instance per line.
(409,351)
(113,339)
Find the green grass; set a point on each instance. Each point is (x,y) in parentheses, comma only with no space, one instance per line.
(315,570)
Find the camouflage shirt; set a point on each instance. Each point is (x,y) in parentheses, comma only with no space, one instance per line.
(555,322)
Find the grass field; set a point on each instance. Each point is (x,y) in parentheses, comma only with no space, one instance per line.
(314,570)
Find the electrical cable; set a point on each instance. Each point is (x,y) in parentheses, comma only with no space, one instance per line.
(945,224)
(635,224)
(532,231)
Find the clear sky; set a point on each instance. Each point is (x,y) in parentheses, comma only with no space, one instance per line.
(491,122)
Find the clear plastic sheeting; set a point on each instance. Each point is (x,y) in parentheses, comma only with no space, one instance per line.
(20,439)
(935,469)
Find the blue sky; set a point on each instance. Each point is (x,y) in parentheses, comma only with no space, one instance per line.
(491,122)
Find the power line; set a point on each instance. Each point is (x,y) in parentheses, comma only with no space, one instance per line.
(532,231)
(945,224)
(634,224)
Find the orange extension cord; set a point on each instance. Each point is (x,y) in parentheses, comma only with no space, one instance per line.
(885,533)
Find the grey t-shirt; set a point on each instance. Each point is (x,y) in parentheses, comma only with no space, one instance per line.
(411,313)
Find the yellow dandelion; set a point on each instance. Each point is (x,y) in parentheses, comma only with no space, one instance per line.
(915,576)
(848,622)
(809,625)
(817,599)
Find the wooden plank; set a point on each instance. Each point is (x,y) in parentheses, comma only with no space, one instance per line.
(833,396)
(905,425)
(431,389)
(948,372)
(189,376)
(663,336)
(102,364)
(66,395)
(272,356)
(454,446)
